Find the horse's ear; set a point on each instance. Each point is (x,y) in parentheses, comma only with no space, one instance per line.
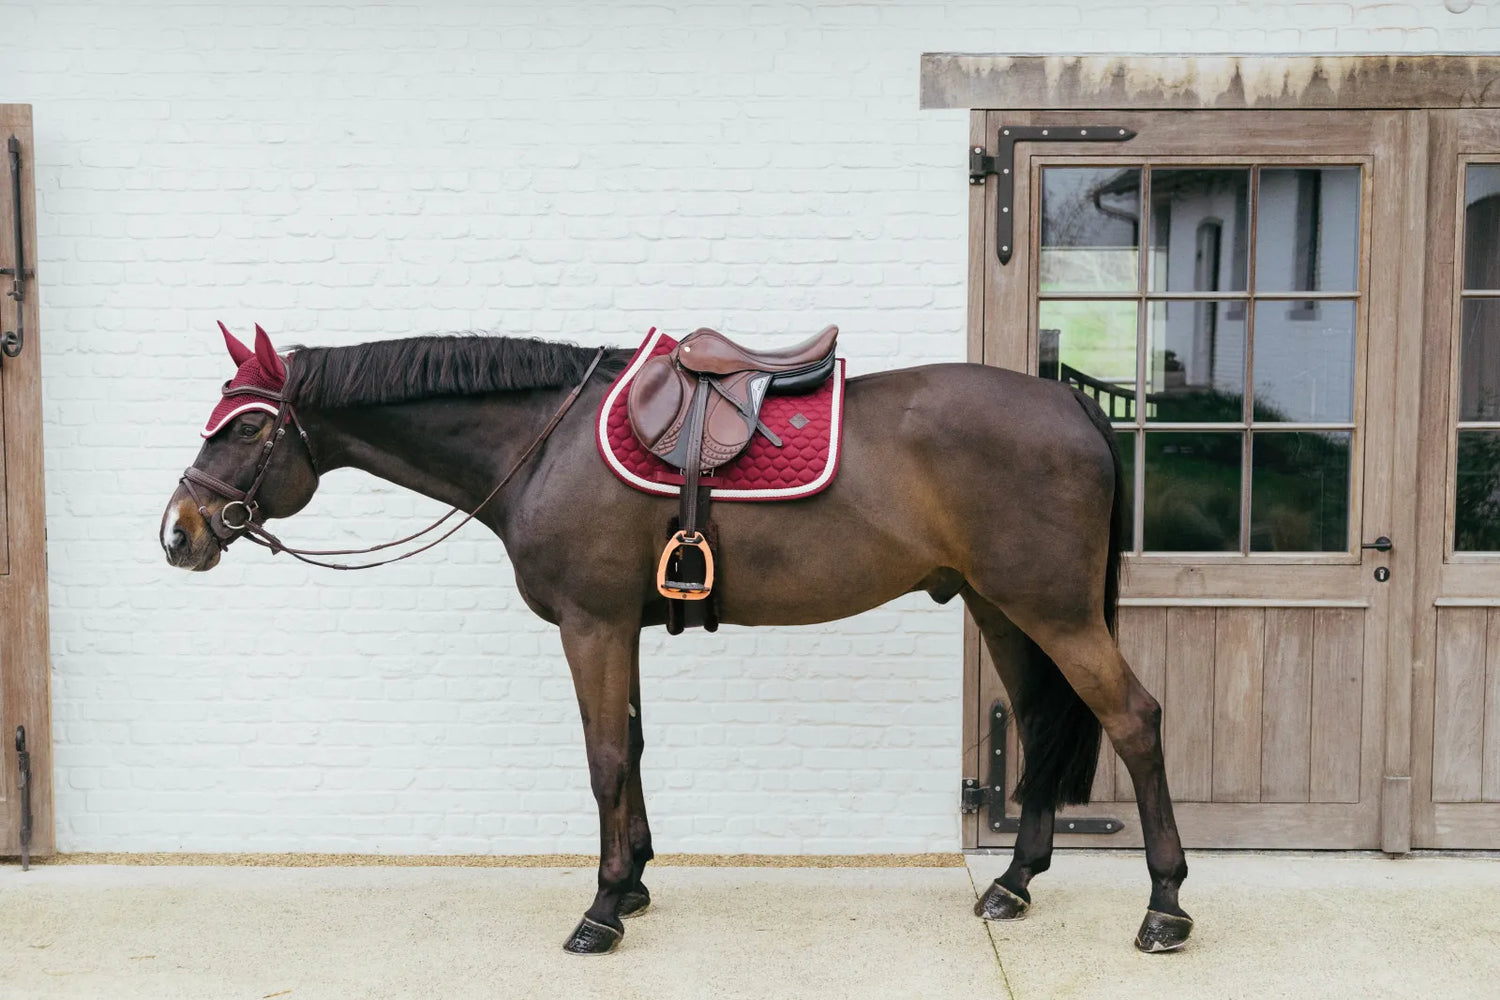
(269,359)
(238,351)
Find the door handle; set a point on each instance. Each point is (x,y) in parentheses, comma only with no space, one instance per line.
(1381,544)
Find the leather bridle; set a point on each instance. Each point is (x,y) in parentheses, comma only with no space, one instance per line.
(225,529)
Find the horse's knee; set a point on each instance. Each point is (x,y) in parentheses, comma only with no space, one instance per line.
(608,772)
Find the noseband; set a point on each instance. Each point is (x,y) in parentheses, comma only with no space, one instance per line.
(225,530)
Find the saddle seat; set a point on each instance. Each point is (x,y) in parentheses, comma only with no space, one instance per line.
(709,352)
(697,408)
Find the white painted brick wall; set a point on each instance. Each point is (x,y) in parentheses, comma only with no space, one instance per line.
(342,172)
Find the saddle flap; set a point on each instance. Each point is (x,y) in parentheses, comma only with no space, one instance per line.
(732,413)
(658,403)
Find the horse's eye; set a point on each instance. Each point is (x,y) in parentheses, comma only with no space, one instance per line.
(248,430)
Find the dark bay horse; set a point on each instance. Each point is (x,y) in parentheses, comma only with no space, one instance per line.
(959,480)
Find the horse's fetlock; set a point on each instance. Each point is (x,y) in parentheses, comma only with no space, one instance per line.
(616,872)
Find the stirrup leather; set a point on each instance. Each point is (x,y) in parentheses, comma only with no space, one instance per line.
(681,590)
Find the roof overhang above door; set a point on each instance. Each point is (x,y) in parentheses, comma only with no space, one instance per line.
(1202,82)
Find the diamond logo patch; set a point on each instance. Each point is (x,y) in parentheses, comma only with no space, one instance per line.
(799,421)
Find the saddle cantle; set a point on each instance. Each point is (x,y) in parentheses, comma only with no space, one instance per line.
(698,408)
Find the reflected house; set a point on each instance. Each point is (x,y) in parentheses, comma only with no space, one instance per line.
(1249,279)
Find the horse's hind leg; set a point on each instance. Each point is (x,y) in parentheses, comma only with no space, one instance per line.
(1009,897)
(636,899)
(1088,657)
(1023,673)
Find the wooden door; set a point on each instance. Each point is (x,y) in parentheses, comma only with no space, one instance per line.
(1226,285)
(1456,641)
(24,672)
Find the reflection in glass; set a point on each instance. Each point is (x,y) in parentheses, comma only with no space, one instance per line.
(1299,491)
(1307,230)
(1092,345)
(1200,234)
(1091,221)
(1304,361)
(1482,226)
(1476,522)
(1126,442)
(1193,492)
(1479,361)
(1197,362)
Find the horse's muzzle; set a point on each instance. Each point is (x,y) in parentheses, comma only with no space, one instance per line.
(186,538)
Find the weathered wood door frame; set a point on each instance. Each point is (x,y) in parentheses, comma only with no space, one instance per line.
(1424,95)
(24,671)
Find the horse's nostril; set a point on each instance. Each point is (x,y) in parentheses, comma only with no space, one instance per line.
(178,541)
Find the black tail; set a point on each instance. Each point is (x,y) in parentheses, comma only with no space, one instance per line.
(1059,733)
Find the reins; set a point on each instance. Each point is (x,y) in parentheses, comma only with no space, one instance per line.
(226,531)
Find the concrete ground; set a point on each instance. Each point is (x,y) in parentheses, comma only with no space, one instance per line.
(1268,926)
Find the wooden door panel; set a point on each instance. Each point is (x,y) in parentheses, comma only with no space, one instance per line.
(1286,706)
(1187,701)
(1239,659)
(1466,729)
(1337,705)
(1259,704)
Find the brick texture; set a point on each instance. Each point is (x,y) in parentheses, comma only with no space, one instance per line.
(342,172)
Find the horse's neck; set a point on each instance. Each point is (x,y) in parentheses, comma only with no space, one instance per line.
(453,449)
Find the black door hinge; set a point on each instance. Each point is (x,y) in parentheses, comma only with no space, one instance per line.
(1003,166)
(13,341)
(991,796)
(972,796)
(23,784)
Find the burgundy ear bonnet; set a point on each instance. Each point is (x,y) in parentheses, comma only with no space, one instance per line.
(261,368)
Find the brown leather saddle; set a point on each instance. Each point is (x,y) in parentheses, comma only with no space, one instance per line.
(697,408)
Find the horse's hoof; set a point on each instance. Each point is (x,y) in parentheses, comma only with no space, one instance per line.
(999,903)
(592,938)
(1163,931)
(635,902)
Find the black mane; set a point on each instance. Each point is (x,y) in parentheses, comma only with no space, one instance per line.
(398,371)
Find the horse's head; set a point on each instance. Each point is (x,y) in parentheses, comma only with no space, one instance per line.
(249,468)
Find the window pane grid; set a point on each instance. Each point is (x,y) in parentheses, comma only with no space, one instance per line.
(1190,422)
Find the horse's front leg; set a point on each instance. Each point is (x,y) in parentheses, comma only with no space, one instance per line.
(599,655)
(637,899)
